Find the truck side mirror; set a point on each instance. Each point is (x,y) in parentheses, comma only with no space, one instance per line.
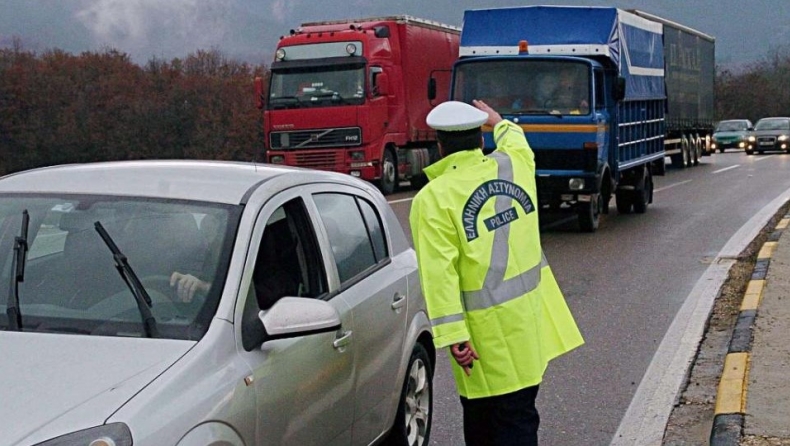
(258,83)
(619,89)
(431,89)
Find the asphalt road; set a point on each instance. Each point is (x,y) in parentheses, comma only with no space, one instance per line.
(625,284)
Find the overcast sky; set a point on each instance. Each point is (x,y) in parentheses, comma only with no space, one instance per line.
(745,30)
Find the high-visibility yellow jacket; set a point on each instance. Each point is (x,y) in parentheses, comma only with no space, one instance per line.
(482,269)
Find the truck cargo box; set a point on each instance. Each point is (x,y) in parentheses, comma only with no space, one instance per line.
(630,43)
(690,74)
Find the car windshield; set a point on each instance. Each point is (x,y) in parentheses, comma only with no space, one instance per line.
(731,126)
(773,124)
(71,284)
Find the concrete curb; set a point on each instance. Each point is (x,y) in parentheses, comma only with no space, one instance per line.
(730,409)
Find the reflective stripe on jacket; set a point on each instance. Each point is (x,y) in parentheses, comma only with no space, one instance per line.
(482,269)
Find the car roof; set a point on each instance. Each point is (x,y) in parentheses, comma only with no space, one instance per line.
(215,181)
(772,118)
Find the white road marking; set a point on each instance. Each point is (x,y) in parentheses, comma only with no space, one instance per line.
(401,200)
(647,415)
(671,186)
(727,168)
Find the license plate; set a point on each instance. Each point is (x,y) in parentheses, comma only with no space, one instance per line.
(766,143)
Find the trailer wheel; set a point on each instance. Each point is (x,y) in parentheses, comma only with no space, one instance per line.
(590,214)
(389,173)
(643,192)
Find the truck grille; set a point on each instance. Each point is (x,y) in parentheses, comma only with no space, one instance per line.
(316,138)
(318,160)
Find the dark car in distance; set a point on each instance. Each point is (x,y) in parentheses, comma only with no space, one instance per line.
(771,134)
(733,134)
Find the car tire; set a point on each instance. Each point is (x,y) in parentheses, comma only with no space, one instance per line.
(721,150)
(749,152)
(415,409)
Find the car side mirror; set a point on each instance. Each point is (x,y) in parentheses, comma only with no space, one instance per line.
(751,129)
(293,317)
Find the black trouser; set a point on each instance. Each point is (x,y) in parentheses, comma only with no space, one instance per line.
(505,420)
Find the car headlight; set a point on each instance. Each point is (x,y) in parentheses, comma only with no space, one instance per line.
(782,137)
(751,139)
(115,434)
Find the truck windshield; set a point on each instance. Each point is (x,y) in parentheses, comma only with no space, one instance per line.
(526,86)
(323,86)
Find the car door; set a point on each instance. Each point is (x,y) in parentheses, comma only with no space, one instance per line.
(376,291)
(303,386)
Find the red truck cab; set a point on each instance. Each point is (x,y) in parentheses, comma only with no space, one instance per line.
(352,96)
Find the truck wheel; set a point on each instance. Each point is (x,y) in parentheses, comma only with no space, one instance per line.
(389,173)
(643,192)
(590,214)
(413,420)
(623,201)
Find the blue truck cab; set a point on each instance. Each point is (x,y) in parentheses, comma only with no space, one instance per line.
(587,86)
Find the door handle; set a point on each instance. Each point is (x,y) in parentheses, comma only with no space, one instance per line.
(343,340)
(398,301)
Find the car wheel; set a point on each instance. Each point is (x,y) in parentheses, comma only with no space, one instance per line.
(721,150)
(413,421)
(748,152)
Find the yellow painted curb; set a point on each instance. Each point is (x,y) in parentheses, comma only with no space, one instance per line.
(753,295)
(783,223)
(767,250)
(731,395)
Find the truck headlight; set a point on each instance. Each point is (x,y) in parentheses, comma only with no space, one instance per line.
(277,159)
(576,184)
(115,434)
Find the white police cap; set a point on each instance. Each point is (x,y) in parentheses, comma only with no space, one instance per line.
(455,116)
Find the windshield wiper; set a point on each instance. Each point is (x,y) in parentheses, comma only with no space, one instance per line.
(17,275)
(132,281)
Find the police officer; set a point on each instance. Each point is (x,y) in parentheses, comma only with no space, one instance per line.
(491,295)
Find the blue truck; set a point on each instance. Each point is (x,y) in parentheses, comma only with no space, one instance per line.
(604,96)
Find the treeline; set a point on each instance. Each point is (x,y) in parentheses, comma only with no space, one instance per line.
(761,89)
(61,108)
(57,107)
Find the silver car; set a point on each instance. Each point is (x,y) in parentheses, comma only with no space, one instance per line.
(207,303)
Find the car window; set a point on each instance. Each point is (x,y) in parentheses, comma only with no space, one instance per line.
(72,284)
(773,124)
(288,262)
(351,243)
(373,223)
(731,126)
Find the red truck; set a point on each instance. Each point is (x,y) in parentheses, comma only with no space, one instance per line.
(352,96)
